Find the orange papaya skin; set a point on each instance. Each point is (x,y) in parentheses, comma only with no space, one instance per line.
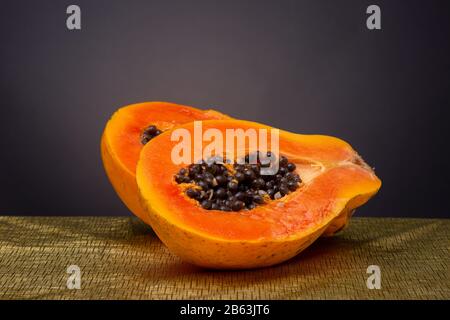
(121,143)
(335,182)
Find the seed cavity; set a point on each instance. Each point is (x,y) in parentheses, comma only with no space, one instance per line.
(238,186)
(149,133)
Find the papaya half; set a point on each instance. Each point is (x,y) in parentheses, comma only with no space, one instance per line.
(202,212)
(128,130)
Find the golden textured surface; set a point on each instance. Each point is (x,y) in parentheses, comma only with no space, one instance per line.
(121,258)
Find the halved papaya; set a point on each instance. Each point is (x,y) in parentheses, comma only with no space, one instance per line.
(332,181)
(125,135)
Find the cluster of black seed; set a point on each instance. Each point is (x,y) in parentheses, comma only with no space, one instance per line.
(217,188)
(149,133)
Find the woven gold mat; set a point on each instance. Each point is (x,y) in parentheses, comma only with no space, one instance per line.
(121,258)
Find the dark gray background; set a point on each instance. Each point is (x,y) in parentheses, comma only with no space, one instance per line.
(305,66)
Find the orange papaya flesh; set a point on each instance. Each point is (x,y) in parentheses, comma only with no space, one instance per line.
(121,142)
(335,181)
